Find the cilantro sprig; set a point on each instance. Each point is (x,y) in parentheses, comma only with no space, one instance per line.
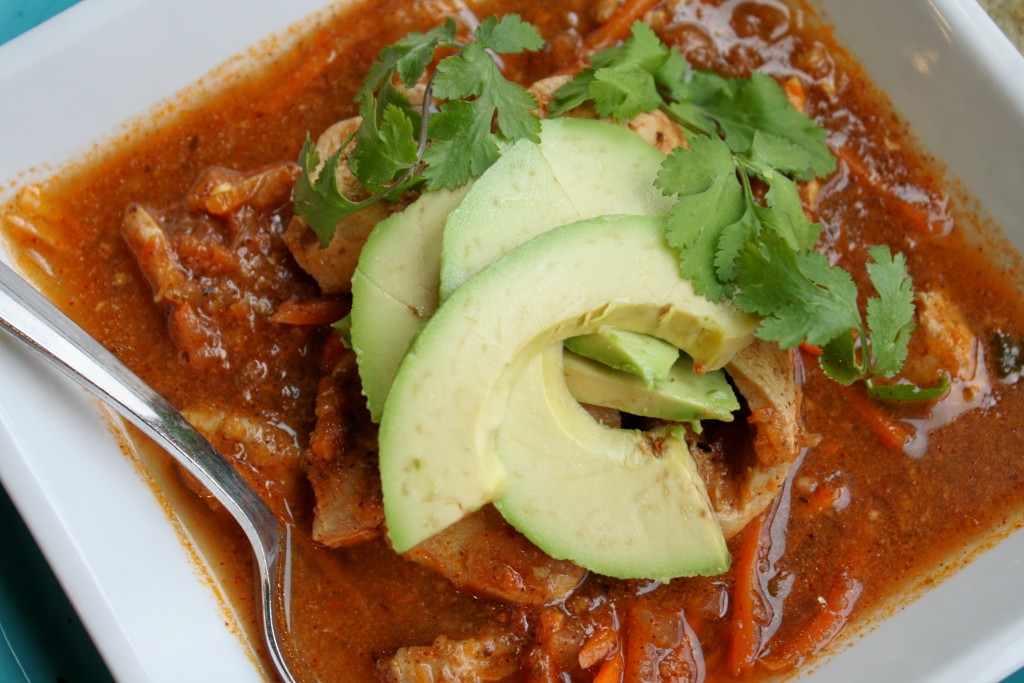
(446,141)
(738,224)
(735,245)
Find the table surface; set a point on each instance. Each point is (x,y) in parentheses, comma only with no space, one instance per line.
(41,637)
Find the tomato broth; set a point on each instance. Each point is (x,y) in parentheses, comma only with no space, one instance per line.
(882,498)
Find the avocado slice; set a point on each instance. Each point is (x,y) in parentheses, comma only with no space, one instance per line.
(517,198)
(683,396)
(394,289)
(438,457)
(605,168)
(619,502)
(582,168)
(647,357)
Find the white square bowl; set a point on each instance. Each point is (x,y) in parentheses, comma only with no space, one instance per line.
(154,614)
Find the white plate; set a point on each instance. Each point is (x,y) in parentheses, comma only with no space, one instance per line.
(150,610)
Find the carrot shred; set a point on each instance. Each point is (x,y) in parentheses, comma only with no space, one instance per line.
(316,312)
(639,636)
(795,93)
(893,434)
(811,349)
(857,166)
(822,499)
(334,350)
(819,632)
(611,670)
(618,25)
(744,639)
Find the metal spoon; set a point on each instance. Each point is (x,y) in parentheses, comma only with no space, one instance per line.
(28,317)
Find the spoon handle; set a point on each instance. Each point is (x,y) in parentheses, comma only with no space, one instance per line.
(31,319)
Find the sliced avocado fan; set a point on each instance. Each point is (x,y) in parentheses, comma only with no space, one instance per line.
(439,458)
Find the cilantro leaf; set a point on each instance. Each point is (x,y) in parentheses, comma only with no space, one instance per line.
(474,74)
(626,79)
(689,98)
(623,93)
(464,146)
(573,93)
(734,237)
(393,148)
(691,117)
(731,243)
(385,146)
(465,74)
(692,171)
(760,104)
(906,391)
(798,295)
(710,199)
(883,346)
(770,152)
(344,329)
(643,49)
(508,35)
(890,315)
(467,146)
(321,201)
(784,212)
(839,360)
(716,215)
(409,56)
(753,115)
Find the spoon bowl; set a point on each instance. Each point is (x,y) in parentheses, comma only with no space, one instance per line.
(31,319)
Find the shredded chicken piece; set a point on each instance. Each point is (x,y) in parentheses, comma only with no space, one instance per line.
(809,193)
(658,130)
(766,377)
(493,655)
(191,330)
(157,258)
(554,655)
(211,272)
(221,191)
(246,437)
(250,441)
(483,554)
(567,638)
(332,265)
(598,647)
(342,461)
(944,345)
(32,217)
(946,342)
